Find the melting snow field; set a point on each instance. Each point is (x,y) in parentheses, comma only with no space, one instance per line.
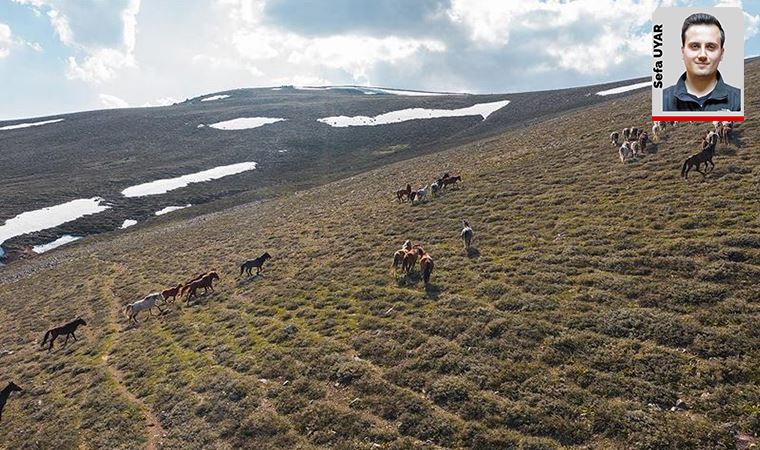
(50,217)
(621,89)
(128,223)
(480,109)
(244,123)
(370,90)
(214,97)
(29,124)
(170,184)
(169,209)
(63,240)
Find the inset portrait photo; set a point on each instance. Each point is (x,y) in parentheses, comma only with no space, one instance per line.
(698,64)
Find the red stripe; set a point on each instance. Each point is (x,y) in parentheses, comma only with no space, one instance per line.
(698,118)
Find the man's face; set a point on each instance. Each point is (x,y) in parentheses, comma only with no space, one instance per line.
(702,51)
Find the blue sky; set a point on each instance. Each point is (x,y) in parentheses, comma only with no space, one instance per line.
(61,56)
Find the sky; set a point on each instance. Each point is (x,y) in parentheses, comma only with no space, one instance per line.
(59,56)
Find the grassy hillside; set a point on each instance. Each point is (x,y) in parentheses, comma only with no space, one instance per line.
(597,296)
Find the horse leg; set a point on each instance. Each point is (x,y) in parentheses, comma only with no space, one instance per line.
(74,336)
(712,165)
(51,341)
(65,340)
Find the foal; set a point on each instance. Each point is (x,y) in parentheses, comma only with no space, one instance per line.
(67,329)
(258,263)
(5,393)
(171,292)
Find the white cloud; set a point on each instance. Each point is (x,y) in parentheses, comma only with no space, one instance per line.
(100,65)
(93,63)
(564,29)
(60,24)
(358,54)
(5,40)
(112,101)
(164,101)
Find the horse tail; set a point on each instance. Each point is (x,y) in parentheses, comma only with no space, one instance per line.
(242,267)
(47,335)
(683,168)
(127,308)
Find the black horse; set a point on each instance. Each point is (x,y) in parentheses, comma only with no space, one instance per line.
(67,329)
(705,156)
(5,393)
(258,263)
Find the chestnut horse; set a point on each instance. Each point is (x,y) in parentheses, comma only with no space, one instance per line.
(171,292)
(206,282)
(186,286)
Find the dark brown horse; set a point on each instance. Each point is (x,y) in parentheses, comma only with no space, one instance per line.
(206,283)
(705,156)
(401,193)
(5,393)
(426,267)
(171,292)
(258,263)
(67,329)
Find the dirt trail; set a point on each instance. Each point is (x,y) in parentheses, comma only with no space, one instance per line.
(153,431)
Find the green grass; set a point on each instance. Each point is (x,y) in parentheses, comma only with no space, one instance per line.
(599,295)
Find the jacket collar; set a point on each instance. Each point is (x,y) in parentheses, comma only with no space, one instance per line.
(719,92)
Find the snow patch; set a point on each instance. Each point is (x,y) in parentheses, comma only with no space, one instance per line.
(170,184)
(481,109)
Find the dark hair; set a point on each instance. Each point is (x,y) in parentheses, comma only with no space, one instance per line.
(701,19)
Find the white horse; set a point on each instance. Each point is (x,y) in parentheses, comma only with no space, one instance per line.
(466,234)
(422,193)
(656,130)
(146,303)
(625,151)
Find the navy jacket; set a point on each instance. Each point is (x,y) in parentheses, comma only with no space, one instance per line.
(723,97)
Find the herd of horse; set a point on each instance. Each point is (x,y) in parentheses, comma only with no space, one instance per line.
(433,189)
(635,141)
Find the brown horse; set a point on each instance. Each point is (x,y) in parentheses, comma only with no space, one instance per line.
(398,260)
(186,285)
(67,329)
(410,258)
(206,282)
(451,180)
(171,292)
(426,267)
(401,193)
(5,393)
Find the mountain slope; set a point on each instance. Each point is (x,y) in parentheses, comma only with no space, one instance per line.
(597,296)
(100,153)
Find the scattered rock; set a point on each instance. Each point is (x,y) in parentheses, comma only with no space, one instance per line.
(286,382)
(291,329)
